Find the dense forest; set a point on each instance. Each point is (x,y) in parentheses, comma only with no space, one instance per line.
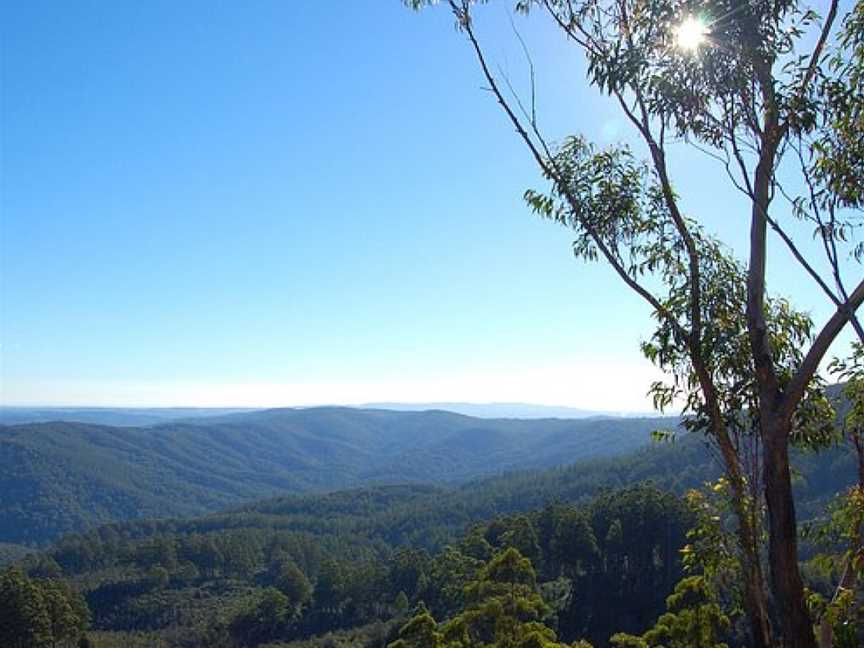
(593,556)
(605,565)
(62,477)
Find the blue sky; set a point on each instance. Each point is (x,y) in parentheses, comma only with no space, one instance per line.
(279,203)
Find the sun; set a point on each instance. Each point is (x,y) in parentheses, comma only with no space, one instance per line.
(690,34)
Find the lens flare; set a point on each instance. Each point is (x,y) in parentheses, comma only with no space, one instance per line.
(690,34)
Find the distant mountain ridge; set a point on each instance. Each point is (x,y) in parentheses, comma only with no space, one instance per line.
(141,416)
(61,477)
(119,416)
(506,410)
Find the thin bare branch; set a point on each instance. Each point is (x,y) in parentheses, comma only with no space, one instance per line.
(549,168)
(530,61)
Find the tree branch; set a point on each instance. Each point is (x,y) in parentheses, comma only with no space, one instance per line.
(797,386)
(658,157)
(550,169)
(817,50)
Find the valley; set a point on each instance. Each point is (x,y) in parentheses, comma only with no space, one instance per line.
(61,477)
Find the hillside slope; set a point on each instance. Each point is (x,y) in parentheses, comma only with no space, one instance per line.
(183,580)
(63,477)
(431,516)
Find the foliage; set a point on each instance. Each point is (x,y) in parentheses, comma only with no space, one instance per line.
(268,618)
(421,631)
(837,114)
(40,613)
(712,551)
(694,620)
(840,533)
(851,370)
(503,609)
(841,612)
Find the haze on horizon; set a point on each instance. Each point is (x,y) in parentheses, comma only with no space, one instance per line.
(259,206)
(579,385)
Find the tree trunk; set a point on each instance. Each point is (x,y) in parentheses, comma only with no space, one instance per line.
(755,603)
(795,625)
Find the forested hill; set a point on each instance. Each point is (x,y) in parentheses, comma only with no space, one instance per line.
(62,477)
(431,516)
(201,581)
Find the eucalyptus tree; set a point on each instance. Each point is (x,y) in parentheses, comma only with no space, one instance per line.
(760,86)
(694,620)
(503,609)
(40,613)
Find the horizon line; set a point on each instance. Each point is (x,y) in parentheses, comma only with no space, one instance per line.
(365,405)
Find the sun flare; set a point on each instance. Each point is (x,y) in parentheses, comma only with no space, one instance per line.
(690,34)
